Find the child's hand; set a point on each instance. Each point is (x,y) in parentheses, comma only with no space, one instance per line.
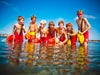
(68,33)
(80,32)
(56,40)
(61,43)
(12,33)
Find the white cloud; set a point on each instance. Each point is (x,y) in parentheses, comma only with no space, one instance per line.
(6,3)
(10,6)
(89,16)
(76,18)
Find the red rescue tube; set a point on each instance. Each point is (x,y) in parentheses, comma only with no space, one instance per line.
(10,38)
(51,41)
(73,40)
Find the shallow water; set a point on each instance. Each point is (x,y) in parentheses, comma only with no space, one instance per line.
(38,59)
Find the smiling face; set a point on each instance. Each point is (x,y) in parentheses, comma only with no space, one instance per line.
(42,25)
(21,21)
(51,25)
(61,25)
(33,20)
(69,28)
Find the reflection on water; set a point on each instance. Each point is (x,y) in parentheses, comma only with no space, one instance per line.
(82,60)
(40,59)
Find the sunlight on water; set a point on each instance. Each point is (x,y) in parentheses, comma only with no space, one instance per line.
(40,59)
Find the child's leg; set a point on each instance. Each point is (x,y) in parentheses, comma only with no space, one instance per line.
(86,48)
(86,39)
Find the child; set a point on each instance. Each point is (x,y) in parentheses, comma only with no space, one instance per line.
(18,30)
(33,28)
(83,26)
(61,34)
(71,35)
(43,31)
(51,32)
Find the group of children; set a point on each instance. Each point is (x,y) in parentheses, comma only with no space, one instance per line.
(58,34)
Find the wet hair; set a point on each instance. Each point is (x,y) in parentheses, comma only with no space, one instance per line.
(20,18)
(51,23)
(61,21)
(33,16)
(69,24)
(80,11)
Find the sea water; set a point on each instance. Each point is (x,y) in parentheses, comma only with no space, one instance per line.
(39,59)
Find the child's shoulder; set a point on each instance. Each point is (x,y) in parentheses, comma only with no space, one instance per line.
(57,28)
(36,23)
(45,28)
(16,24)
(84,18)
(64,28)
(77,19)
(73,30)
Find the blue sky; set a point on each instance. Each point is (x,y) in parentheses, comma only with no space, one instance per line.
(50,10)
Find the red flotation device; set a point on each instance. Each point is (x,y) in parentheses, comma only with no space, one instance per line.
(36,40)
(51,41)
(73,40)
(9,38)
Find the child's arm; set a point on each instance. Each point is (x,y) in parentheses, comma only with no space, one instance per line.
(66,38)
(39,29)
(36,28)
(24,29)
(28,29)
(56,34)
(74,33)
(13,30)
(61,43)
(88,24)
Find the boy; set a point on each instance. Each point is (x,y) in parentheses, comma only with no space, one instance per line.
(71,35)
(33,28)
(51,30)
(83,26)
(43,32)
(18,30)
(61,36)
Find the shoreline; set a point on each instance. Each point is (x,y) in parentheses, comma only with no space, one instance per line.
(89,40)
